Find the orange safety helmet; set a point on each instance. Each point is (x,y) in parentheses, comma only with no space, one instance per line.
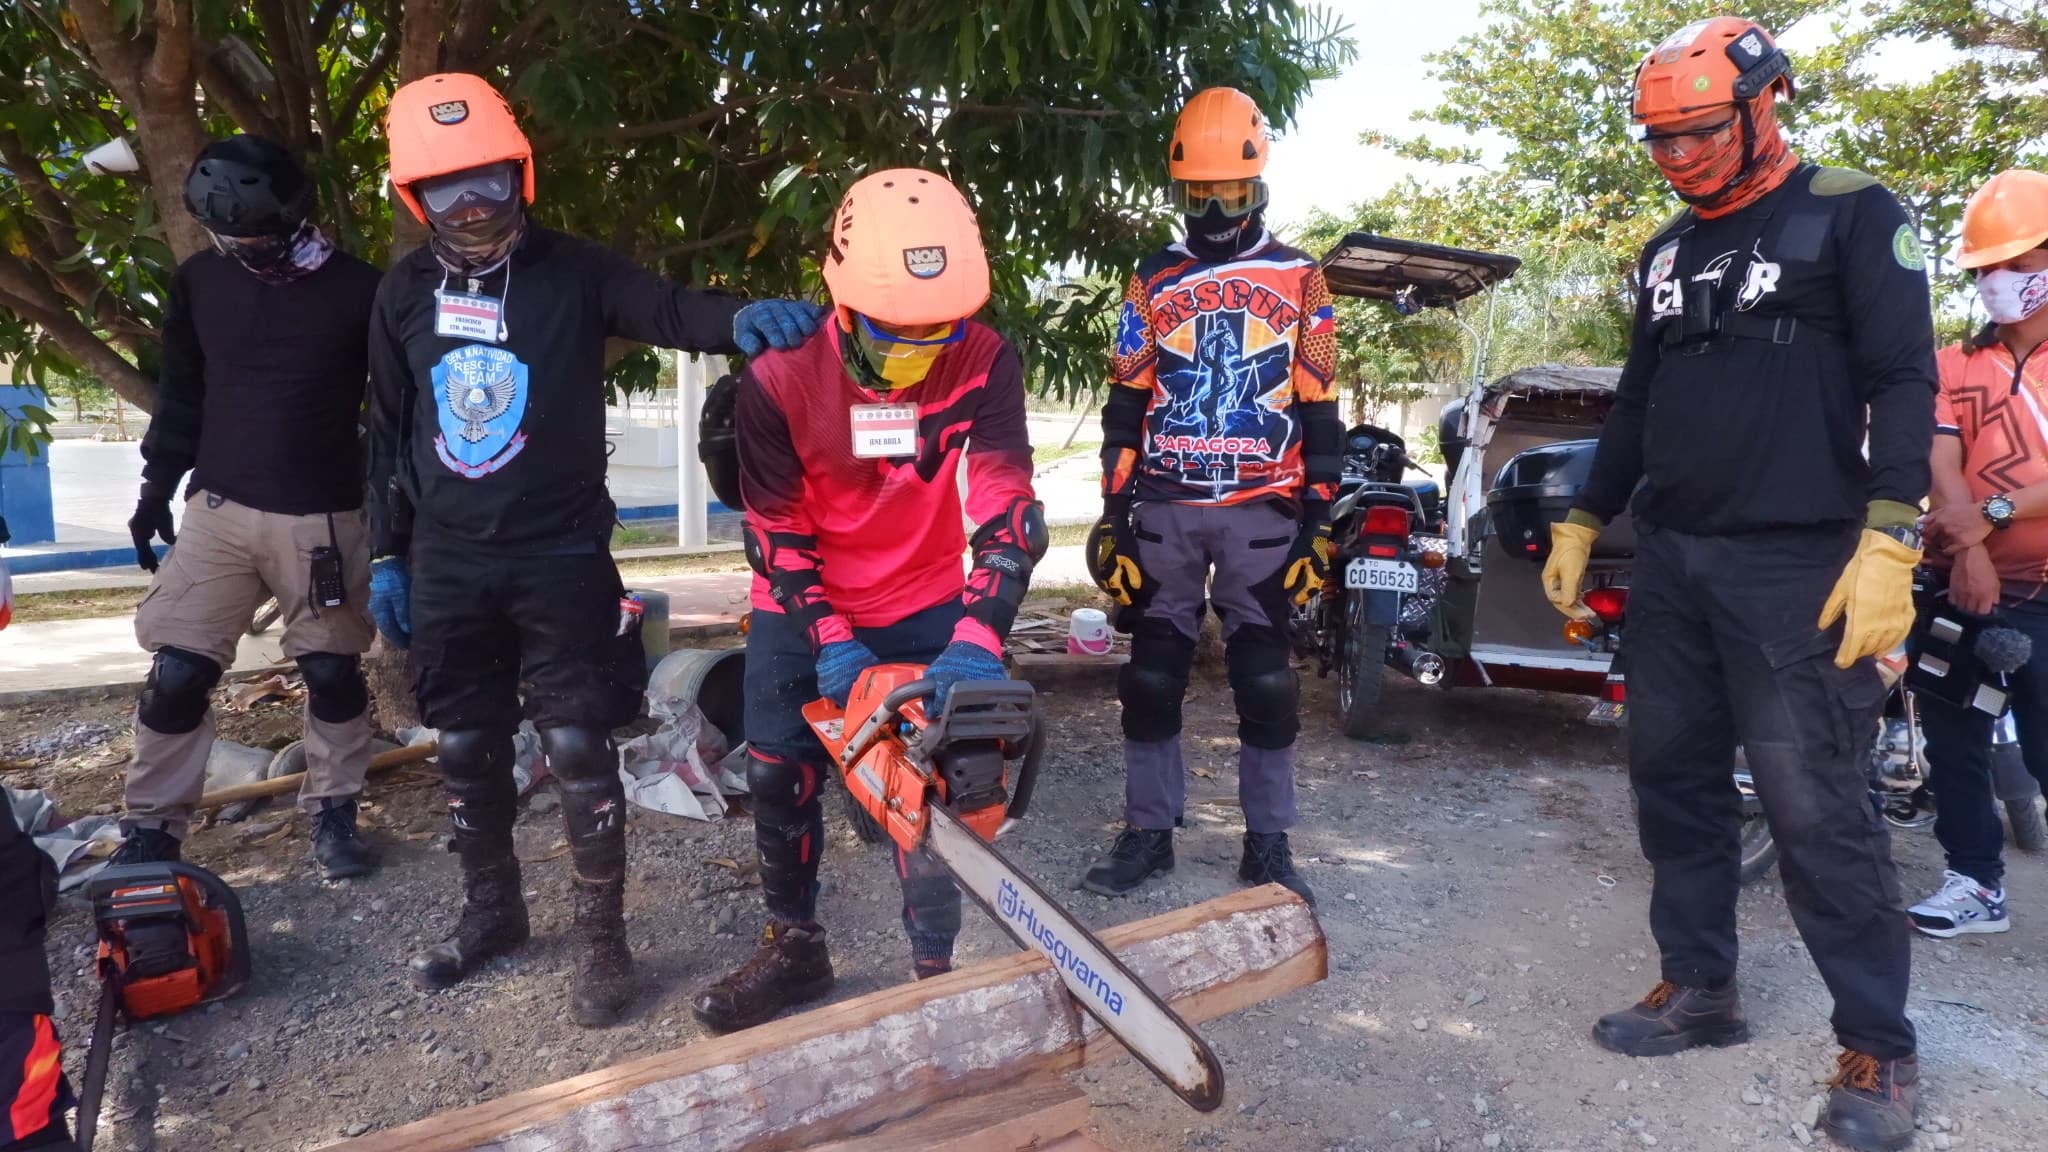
(450,122)
(1709,64)
(1221,135)
(2007,216)
(906,250)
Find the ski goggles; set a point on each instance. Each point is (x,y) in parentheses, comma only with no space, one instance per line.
(493,184)
(1233,197)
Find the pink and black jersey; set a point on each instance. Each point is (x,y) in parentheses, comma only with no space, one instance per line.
(842,541)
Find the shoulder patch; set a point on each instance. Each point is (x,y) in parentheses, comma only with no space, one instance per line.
(1839,181)
(1906,249)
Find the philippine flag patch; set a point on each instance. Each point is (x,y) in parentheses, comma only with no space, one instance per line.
(1321,322)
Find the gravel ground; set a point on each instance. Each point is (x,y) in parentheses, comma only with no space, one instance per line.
(1480,887)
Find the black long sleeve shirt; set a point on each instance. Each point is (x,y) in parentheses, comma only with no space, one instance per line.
(501,444)
(28,896)
(261,389)
(1737,434)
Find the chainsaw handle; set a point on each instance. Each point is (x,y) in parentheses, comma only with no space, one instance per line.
(878,721)
(917,689)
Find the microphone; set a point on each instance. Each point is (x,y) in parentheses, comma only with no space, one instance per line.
(2003,650)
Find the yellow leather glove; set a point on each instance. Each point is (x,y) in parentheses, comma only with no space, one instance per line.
(1307,568)
(1112,553)
(1571,546)
(1875,593)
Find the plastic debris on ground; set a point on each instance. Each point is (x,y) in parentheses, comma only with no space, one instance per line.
(686,767)
(79,848)
(529,767)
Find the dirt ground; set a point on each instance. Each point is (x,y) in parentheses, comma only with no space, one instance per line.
(1479,883)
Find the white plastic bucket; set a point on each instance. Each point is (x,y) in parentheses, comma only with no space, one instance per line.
(1088,632)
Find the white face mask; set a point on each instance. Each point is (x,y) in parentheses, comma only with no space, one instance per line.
(2011,297)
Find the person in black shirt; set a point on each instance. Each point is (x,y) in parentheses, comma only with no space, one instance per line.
(260,398)
(34,1095)
(492,518)
(1783,317)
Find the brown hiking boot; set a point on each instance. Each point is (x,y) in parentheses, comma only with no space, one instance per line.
(790,967)
(1673,1018)
(603,982)
(1870,1107)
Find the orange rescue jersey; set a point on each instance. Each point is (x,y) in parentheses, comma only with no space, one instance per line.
(1999,410)
(1233,362)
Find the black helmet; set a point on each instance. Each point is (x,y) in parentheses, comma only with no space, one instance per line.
(247,186)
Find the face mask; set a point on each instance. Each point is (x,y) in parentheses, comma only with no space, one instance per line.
(278,259)
(2011,297)
(1729,167)
(893,362)
(1215,236)
(476,216)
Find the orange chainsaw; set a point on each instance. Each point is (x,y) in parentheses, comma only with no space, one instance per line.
(941,784)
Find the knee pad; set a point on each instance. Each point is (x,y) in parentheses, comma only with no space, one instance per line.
(475,754)
(1151,686)
(335,689)
(174,697)
(476,773)
(580,753)
(781,783)
(1266,688)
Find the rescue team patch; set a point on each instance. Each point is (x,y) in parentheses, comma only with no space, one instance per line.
(480,397)
(924,263)
(1662,265)
(450,112)
(1907,251)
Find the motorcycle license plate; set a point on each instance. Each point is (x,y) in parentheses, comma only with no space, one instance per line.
(1382,575)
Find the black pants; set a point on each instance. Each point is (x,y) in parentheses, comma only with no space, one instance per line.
(1959,756)
(1722,645)
(484,623)
(788,771)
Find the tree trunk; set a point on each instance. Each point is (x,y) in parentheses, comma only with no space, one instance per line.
(159,91)
(389,671)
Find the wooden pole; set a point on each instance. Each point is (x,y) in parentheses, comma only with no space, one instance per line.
(803,1081)
(279,785)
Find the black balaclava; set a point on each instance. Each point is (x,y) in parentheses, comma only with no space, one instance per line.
(1214,237)
(477,231)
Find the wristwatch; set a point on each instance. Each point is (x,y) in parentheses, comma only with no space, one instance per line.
(1907,534)
(1999,511)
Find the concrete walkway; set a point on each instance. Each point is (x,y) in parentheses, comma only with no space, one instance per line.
(80,653)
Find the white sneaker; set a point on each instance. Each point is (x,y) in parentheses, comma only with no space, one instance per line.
(1960,907)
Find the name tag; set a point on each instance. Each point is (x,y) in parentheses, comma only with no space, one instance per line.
(882,430)
(467,316)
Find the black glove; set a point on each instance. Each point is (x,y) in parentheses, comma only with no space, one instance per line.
(1308,561)
(152,518)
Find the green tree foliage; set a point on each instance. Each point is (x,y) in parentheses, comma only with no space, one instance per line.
(710,141)
(1546,88)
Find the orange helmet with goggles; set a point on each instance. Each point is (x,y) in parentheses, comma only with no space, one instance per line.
(450,122)
(2007,216)
(1221,135)
(1709,64)
(906,251)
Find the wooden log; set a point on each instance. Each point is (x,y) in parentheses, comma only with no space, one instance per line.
(848,1067)
(1027,1115)
(279,785)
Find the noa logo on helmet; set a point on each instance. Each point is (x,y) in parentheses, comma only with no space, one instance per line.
(450,112)
(925,263)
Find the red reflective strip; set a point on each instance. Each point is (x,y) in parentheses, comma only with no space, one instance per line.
(40,1074)
(1381,550)
(803,849)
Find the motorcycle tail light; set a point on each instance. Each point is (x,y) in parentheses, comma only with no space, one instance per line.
(1615,691)
(1580,631)
(1385,551)
(1608,603)
(1385,520)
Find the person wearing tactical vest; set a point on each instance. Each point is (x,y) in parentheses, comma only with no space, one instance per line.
(1221,450)
(259,397)
(1987,529)
(1783,319)
(849,453)
(492,522)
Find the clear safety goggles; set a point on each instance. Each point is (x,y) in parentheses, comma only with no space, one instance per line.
(496,183)
(952,334)
(1678,145)
(1235,197)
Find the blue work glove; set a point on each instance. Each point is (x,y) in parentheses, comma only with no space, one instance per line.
(962,660)
(780,324)
(391,600)
(840,663)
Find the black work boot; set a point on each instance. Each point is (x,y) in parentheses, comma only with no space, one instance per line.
(790,967)
(337,848)
(143,844)
(1137,855)
(1673,1018)
(1269,860)
(603,984)
(1871,1102)
(493,923)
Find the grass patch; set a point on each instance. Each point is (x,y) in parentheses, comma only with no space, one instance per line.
(83,604)
(1044,455)
(733,560)
(641,536)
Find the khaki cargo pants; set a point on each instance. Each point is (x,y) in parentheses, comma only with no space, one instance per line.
(227,559)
